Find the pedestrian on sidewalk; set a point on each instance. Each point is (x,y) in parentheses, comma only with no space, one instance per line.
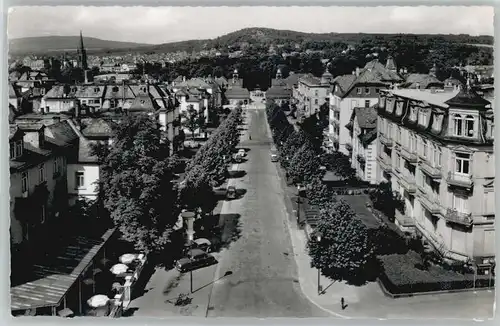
(342,303)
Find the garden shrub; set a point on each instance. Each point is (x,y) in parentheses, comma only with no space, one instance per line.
(400,275)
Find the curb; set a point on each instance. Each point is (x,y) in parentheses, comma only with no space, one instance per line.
(414,294)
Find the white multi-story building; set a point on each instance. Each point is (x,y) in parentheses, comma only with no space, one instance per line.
(436,150)
(363,128)
(360,89)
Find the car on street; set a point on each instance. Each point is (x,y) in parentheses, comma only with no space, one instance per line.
(238,158)
(274,158)
(196,259)
(231,192)
(242,152)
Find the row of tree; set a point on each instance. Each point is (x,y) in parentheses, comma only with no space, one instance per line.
(138,189)
(208,168)
(344,250)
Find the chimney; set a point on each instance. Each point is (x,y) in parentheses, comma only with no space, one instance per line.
(417,86)
(354,72)
(357,71)
(183,78)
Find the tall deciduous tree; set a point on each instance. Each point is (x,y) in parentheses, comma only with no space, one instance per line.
(338,163)
(318,193)
(304,165)
(344,251)
(192,120)
(136,184)
(292,145)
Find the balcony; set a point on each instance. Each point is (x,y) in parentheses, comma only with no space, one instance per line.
(460,180)
(454,216)
(385,140)
(431,171)
(430,203)
(409,155)
(385,162)
(403,219)
(408,182)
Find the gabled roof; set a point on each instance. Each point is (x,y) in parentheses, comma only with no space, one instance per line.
(423,80)
(467,97)
(366,117)
(118,92)
(310,80)
(79,91)
(344,81)
(99,128)
(14,131)
(144,103)
(237,93)
(63,132)
(293,79)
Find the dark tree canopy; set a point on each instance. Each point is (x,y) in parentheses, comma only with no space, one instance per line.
(344,252)
(136,185)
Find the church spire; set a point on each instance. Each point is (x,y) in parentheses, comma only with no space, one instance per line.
(82,54)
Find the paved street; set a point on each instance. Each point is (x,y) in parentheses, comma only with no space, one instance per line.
(269,269)
(264,282)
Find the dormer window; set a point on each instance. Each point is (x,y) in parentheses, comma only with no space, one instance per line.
(463,126)
(359,91)
(73,89)
(115,89)
(96,90)
(413,114)
(16,149)
(367,90)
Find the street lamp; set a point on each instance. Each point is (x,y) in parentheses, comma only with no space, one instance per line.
(188,217)
(320,288)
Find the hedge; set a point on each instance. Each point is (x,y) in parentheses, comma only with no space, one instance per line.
(400,275)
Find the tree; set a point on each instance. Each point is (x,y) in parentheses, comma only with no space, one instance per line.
(304,165)
(318,193)
(136,184)
(292,145)
(338,163)
(344,251)
(191,119)
(196,192)
(386,200)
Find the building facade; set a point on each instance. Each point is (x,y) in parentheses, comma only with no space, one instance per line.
(312,92)
(363,126)
(436,150)
(360,89)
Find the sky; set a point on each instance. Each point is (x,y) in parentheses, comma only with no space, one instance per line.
(168,24)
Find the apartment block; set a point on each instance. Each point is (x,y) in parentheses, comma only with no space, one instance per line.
(436,149)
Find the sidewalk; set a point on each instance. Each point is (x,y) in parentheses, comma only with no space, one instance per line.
(368,301)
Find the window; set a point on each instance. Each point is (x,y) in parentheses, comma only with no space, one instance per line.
(377,90)
(462,163)
(460,203)
(57,166)
(425,152)
(367,90)
(315,93)
(413,143)
(457,122)
(24,182)
(389,129)
(79,179)
(469,126)
(41,173)
(12,150)
(367,103)
(358,90)
(437,157)
(19,148)
(398,133)
(316,101)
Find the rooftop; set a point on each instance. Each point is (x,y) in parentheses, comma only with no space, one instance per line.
(436,98)
(367,117)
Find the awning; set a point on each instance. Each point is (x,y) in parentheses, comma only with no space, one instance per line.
(54,276)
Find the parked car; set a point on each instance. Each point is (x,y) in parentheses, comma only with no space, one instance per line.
(231,192)
(242,152)
(196,259)
(238,158)
(274,158)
